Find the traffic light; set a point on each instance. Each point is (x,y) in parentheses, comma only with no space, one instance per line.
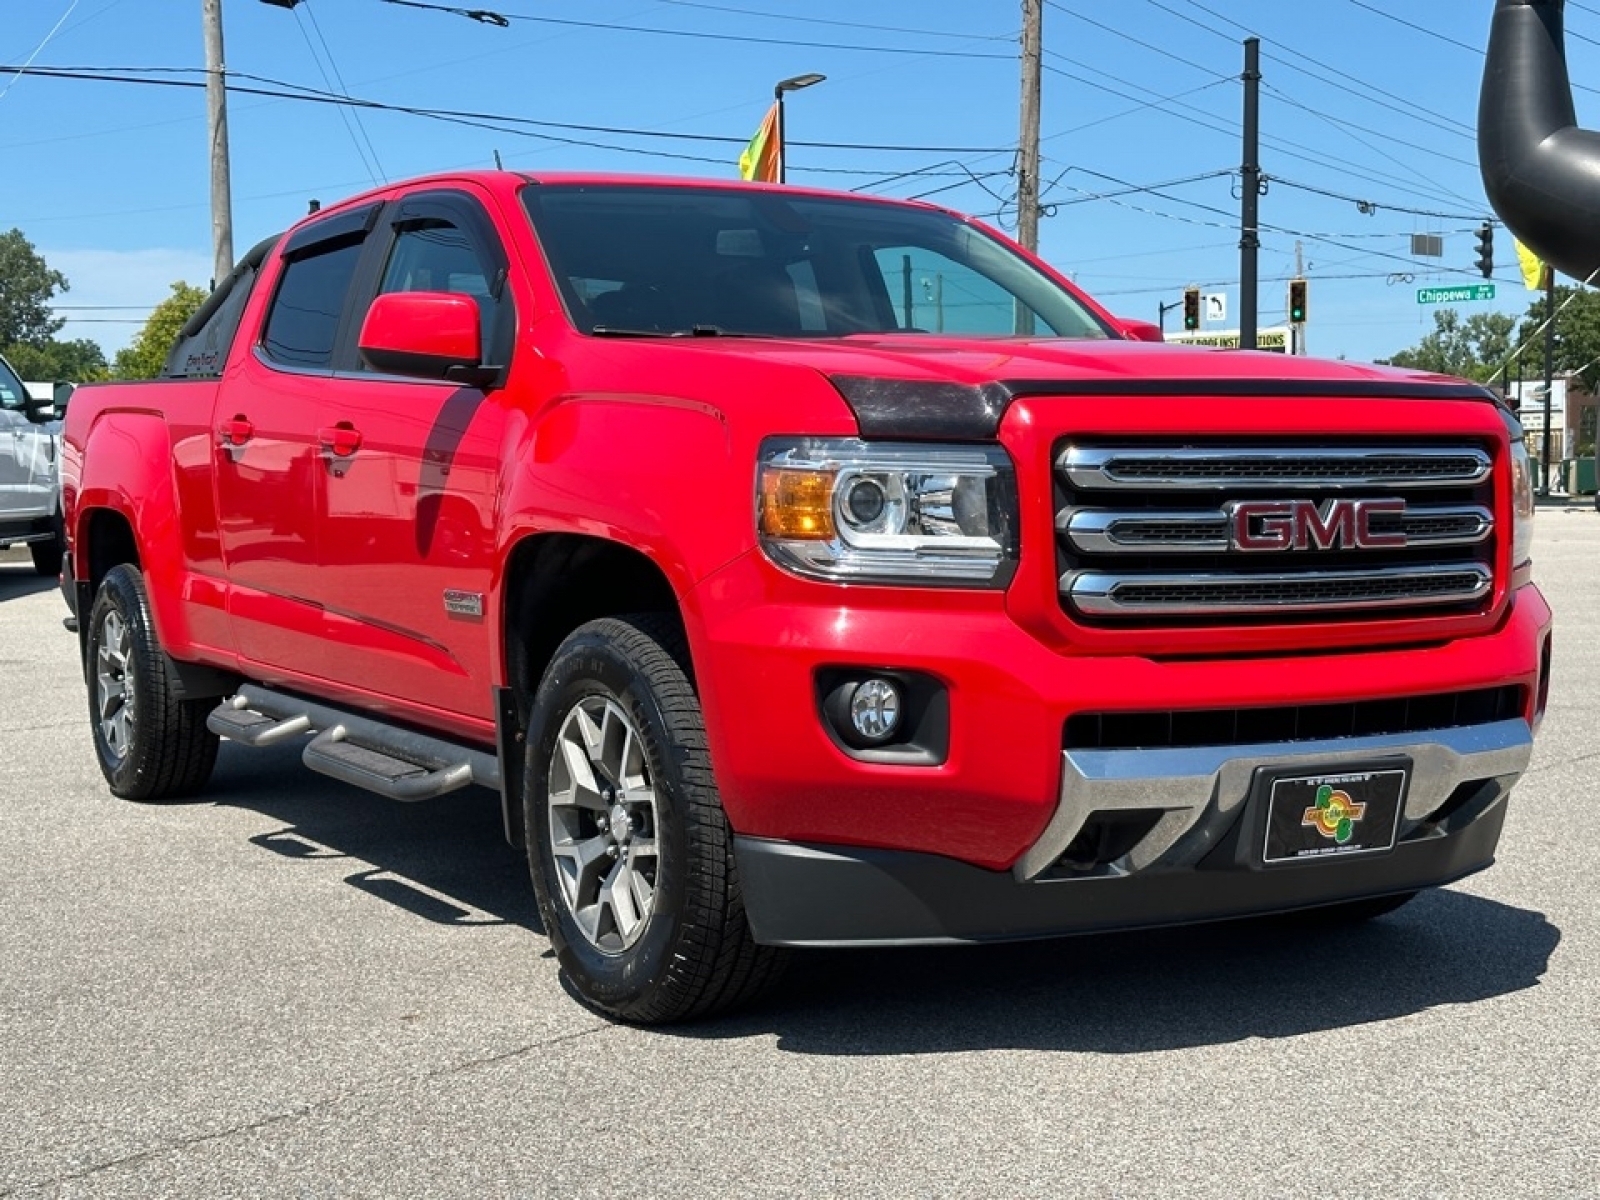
(1297,301)
(1486,250)
(1191,308)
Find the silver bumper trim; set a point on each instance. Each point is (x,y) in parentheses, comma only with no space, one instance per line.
(1208,784)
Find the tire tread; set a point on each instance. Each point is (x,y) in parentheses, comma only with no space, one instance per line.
(175,751)
(716,965)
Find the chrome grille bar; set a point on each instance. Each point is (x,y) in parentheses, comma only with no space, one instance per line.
(1107,594)
(1189,468)
(1103,531)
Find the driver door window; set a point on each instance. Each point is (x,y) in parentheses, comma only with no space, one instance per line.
(432,255)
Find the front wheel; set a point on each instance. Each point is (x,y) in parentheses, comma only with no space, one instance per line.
(630,852)
(151,745)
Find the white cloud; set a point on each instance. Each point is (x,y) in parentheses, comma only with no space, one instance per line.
(119,279)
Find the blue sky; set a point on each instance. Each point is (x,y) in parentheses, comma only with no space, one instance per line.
(109,180)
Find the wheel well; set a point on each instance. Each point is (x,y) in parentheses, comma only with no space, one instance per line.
(111,543)
(555,583)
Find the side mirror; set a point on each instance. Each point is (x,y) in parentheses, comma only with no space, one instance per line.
(1140,331)
(40,409)
(431,335)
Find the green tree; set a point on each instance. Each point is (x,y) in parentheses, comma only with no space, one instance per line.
(78,361)
(26,286)
(1577,341)
(1473,348)
(145,357)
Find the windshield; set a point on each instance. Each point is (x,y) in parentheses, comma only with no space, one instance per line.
(635,259)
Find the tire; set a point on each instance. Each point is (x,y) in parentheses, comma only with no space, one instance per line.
(151,745)
(619,793)
(47,555)
(1351,912)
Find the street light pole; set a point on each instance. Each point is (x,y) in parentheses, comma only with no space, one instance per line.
(789,85)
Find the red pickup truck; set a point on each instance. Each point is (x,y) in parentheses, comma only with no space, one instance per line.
(805,570)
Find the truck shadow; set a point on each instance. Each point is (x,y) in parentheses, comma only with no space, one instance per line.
(447,862)
(18,578)
(1162,990)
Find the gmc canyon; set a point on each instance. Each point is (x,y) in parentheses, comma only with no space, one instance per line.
(805,569)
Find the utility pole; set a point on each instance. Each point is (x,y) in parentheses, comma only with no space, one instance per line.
(1250,207)
(1549,373)
(1028,143)
(217,122)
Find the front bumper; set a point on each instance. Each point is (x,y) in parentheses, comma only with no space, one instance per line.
(995,799)
(818,896)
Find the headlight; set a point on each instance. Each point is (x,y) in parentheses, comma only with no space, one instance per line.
(865,512)
(1521,496)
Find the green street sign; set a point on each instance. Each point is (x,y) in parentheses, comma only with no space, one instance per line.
(1456,295)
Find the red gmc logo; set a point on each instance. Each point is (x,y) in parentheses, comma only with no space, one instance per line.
(1267,525)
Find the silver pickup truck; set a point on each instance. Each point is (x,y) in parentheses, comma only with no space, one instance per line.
(30,472)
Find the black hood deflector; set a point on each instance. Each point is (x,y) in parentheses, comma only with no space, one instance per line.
(950,412)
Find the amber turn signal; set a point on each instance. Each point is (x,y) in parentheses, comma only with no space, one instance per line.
(797,504)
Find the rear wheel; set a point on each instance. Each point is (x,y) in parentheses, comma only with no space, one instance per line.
(151,745)
(630,852)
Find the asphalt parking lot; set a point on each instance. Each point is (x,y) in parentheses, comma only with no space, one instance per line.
(289,987)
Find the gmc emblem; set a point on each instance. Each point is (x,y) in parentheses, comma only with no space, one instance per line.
(1258,526)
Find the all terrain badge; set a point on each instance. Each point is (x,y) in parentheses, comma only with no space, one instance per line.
(1334,815)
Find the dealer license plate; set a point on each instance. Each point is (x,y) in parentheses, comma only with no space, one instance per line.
(1334,814)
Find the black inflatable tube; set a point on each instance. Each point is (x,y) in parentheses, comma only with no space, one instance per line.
(1541,172)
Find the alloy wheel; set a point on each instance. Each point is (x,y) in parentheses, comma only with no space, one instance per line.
(603,824)
(114,694)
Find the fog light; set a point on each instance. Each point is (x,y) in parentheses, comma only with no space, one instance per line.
(875,709)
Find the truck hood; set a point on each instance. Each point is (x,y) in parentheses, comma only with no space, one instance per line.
(932,386)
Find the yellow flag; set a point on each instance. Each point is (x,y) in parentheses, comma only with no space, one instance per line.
(760,158)
(1533,270)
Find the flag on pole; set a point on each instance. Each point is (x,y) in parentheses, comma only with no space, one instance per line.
(760,158)
(1533,270)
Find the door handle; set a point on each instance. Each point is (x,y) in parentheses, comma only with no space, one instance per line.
(339,442)
(232,436)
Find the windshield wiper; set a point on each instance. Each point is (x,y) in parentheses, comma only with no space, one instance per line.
(694,331)
(619,331)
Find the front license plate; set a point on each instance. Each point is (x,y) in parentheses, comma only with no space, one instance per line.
(1334,814)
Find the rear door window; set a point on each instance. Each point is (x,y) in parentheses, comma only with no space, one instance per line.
(303,324)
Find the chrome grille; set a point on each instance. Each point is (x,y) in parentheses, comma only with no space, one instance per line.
(1159,534)
(1110,531)
(1183,468)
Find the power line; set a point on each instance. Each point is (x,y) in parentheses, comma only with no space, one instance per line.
(1128,37)
(1153,189)
(1209,121)
(1346,127)
(1343,124)
(369,161)
(37,50)
(1368,207)
(618,27)
(1402,105)
(748,12)
(1434,33)
(301,92)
